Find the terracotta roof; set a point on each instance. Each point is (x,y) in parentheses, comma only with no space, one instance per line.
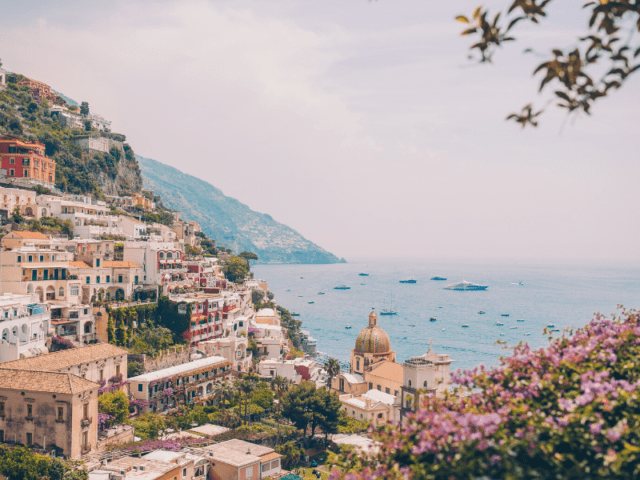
(31,235)
(79,264)
(66,358)
(388,370)
(120,264)
(38,381)
(269,456)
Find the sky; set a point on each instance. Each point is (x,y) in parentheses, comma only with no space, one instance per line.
(361,124)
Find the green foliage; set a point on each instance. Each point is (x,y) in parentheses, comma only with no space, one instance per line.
(349,425)
(295,353)
(248,256)
(290,453)
(50,225)
(160,216)
(21,463)
(115,404)
(252,347)
(305,405)
(134,369)
(236,269)
(149,426)
(121,329)
(84,108)
(151,339)
(189,250)
(270,295)
(263,397)
(257,296)
(169,317)
(111,331)
(332,367)
(591,68)
(16,216)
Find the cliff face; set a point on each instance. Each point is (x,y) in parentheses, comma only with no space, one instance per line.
(228,221)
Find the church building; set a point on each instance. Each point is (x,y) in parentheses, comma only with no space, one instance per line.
(374,368)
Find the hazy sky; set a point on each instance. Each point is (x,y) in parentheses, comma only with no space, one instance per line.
(359,123)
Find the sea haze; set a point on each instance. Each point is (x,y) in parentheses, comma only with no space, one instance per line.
(561,295)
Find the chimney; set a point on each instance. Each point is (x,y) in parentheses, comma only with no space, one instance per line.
(367,403)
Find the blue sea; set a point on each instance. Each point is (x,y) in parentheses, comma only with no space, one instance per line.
(563,295)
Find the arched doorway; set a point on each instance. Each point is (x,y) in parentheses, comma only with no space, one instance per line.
(40,293)
(209,388)
(88,327)
(28,212)
(51,293)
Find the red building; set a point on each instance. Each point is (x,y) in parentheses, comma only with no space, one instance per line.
(26,161)
(40,90)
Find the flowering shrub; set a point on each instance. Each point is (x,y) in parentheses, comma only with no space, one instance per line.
(61,343)
(105,420)
(567,411)
(174,445)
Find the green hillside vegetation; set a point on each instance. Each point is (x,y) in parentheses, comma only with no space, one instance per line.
(77,170)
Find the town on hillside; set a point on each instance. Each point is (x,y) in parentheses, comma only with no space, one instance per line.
(135,347)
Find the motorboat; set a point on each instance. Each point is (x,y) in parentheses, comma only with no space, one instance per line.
(432,319)
(520,320)
(499,324)
(551,325)
(342,287)
(310,303)
(363,283)
(504,314)
(300,296)
(527,334)
(412,325)
(363,274)
(481,312)
(295,314)
(443,329)
(408,280)
(347,326)
(464,285)
(320,293)
(512,328)
(438,278)
(465,326)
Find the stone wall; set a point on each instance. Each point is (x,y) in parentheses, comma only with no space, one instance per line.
(116,435)
(168,358)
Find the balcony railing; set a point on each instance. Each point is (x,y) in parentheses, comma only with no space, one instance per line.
(85,422)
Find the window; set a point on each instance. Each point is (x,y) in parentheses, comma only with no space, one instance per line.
(136,279)
(97,262)
(379,415)
(34,274)
(86,311)
(88,279)
(379,389)
(12,161)
(45,274)
(409,382)
(358,364)
(1,409)
(30,258)
(25,161)
(98,279)
(42,258)
(60,414)
(74,290)
(139,387)
(84,440)
(61,291)
(1,435)
(161,255)
(29,438)
(119,278)
(387,391)
(29,411)
(101,372)
(184,473)
(19,258)
(370,386)
(25,173)
(117,370)
(425,383)
(108,279)
(12,172)
(85,411)
(248,472)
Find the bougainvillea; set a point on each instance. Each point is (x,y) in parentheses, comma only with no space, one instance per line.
(61,343)
(174,444)
(571,410)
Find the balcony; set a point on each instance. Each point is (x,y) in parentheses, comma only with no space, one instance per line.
(85,449)
(85,422)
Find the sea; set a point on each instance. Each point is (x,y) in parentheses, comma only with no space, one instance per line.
(562,295)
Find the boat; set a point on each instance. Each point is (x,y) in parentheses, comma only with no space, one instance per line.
(438,278)
(288,289)
(301,278)
(464,285)
(504,314)
(432,319)
(499,324)
(295,314)
(527,334)
(443,329)
(512,328)
(347,326)
(551,325)
(363,274)
(412,325)
(465,326)
(520,320)
(389,310)
(320,293)
(481,312)
(300,296)
(363,283)
(342,287)
(310,303)
(408,280)
(555,330)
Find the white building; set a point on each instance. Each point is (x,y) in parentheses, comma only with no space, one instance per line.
(376,407)
(270,339)
(293,370)
(25,325)
(162,262)
(232,348)
(188,382)
(192,467)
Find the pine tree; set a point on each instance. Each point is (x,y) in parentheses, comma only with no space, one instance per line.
(121,330)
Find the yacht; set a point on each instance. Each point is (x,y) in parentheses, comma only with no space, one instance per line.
(310,303)
(465,326)
(295,314)
(432,319)
(438,278)
(499,324)
(347,326)
(551,325)
(504,314)
(320,293)
(363,274)
(464,285)
(520,320)
(408,280)
(481,312)
(389,310)
(342,287)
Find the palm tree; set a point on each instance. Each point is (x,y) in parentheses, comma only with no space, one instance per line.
(247,386)
(280,385)
(332,366)
(222,391)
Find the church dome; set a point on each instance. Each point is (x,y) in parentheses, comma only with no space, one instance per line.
(373,339)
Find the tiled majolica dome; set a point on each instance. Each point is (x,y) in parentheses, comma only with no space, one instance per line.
(373,339)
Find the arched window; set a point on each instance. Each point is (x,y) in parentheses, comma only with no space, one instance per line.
(425,383)
(358,364)
(169,255)
(161,255)
(409,382)
(61,292)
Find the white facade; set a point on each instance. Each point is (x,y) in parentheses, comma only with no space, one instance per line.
(161,261)
(25,325)
(233,349)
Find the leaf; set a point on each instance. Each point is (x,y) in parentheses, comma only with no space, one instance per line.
(469,31)
(557,53)
(477,11)
(513,22)
(462,18)
(563,95)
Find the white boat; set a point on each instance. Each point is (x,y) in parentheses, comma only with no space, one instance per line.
(464,285)
(465,326)
(389,310)
(347,326)
(512,328)
(499,324)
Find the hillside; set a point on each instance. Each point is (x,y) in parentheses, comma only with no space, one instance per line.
(230,222)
